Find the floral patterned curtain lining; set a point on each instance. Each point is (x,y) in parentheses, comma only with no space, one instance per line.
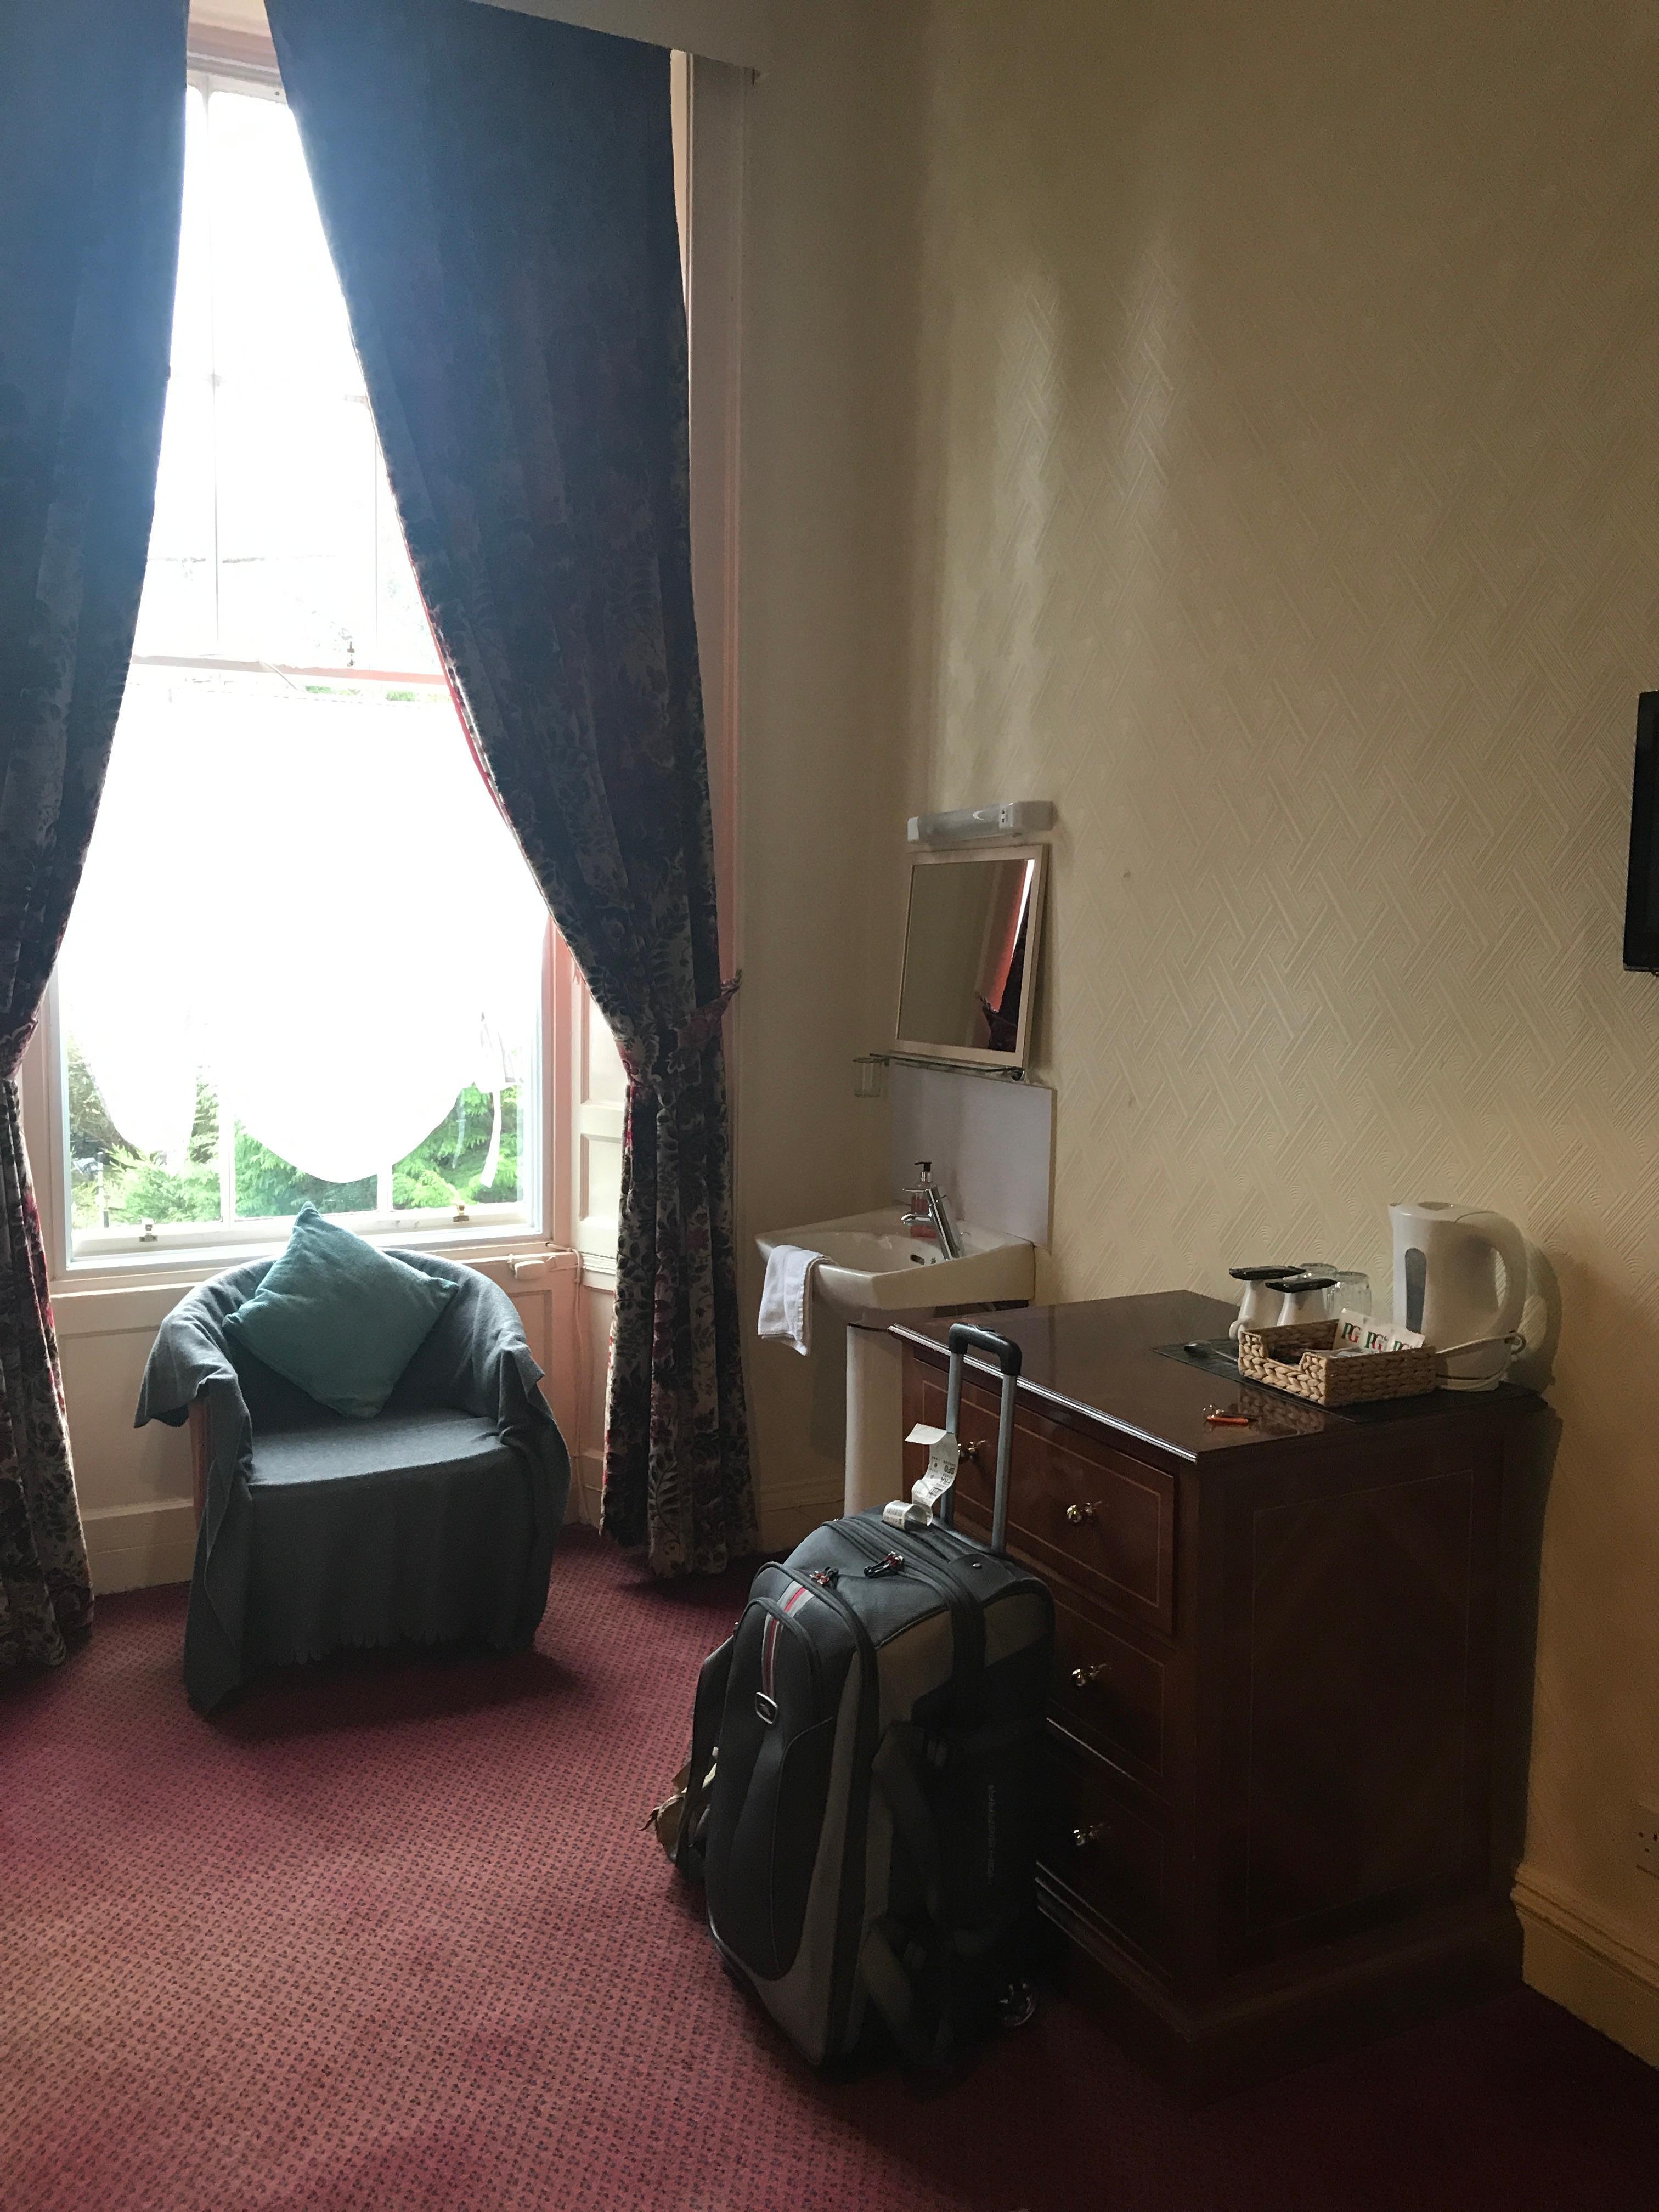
(91,165)
(501,214)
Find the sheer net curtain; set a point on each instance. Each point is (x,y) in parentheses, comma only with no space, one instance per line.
(255,915)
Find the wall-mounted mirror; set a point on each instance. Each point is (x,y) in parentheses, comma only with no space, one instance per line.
(969,981)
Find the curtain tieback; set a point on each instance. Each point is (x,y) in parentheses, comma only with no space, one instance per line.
(13,1043)
(669,1070)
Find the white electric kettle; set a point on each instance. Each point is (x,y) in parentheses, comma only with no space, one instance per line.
(1446,1263)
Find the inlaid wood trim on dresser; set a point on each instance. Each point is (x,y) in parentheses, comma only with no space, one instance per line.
(1084,1512)
(1283,1767)
(1360,1616)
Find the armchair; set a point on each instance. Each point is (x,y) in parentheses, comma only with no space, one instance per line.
(433,1521)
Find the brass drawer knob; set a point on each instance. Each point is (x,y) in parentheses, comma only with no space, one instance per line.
(1077,1514)
(1087,1677)
(1096,1832)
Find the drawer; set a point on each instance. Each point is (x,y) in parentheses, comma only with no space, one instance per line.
(1107,1691)
(1078,1511)
(1101,1855)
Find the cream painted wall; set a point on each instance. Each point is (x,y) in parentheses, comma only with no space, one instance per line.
(1285,506)
(821,633)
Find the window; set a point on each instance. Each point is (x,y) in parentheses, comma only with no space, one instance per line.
(307,960)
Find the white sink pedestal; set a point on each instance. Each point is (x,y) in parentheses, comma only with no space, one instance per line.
(875,1415)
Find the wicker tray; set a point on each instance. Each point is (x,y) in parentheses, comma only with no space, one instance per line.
(1300,1360)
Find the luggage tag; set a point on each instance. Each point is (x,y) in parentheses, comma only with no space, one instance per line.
(902,1513)
(944,1457)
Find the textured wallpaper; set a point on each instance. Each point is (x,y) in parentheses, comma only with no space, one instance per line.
(1284,505)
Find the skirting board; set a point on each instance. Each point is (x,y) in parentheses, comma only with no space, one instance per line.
(587,1487)
(787,1516)
(1576,1957)
(136,1546)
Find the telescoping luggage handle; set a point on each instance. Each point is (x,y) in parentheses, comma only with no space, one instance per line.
(966,1337)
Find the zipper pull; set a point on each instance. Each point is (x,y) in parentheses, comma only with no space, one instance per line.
(825,1578)
(892,1564)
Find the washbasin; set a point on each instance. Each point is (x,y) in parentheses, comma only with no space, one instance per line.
(874,1270)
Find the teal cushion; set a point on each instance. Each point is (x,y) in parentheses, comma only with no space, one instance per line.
(337,1317)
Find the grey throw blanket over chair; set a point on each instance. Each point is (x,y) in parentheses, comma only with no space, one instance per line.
(434,1520)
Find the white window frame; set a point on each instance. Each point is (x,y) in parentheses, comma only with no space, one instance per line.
(710,101)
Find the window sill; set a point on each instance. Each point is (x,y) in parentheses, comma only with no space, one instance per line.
(183,1270)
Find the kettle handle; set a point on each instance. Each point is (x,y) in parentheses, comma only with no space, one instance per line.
(1510,1247)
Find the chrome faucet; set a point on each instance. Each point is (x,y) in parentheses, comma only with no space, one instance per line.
(938,1217)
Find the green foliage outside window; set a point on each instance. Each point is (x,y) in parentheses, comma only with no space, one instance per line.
(112,1186)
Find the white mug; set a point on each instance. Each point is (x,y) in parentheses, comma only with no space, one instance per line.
(1259,1306)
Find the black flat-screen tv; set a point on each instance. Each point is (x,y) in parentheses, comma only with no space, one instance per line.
(1642,890)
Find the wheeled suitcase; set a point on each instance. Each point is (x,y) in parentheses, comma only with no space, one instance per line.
(861,1800)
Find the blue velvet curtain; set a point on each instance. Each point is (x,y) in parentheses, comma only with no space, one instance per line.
(92,119)
(498,195)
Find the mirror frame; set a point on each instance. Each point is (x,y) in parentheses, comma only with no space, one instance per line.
(971,1055)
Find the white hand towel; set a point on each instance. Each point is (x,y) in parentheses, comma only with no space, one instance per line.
(786,1306)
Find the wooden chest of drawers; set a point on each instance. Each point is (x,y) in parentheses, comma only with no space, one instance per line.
(1288,1719)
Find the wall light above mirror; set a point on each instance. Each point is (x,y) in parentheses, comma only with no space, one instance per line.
(968,984)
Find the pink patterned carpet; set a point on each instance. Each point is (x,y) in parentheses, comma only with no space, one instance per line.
(390,1935)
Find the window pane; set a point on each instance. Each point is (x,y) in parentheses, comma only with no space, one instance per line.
(268,1185)
(296,453)
(296,528)
(402,635)
(471,1159)
(278,314)
(177,614)
(305,960)
(114,1183)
